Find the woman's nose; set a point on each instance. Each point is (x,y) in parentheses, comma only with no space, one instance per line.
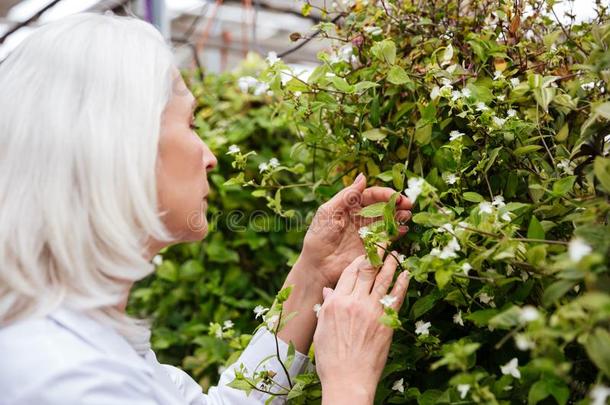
(209,159)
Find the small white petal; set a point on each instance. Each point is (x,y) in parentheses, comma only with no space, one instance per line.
(577,249)
(399,386)
(463,390)
(511,368)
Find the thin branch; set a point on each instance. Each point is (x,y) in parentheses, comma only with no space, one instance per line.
(307,40)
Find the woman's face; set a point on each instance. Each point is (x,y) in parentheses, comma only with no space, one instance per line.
(183,163)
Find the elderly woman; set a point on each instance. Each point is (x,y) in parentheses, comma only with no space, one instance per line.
(99,169)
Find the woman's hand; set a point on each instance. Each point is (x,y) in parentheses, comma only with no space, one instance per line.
(351,344)
(332,241)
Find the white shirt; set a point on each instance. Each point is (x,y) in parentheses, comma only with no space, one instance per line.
(68,358)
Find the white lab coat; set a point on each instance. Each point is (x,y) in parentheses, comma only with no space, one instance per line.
(68,358)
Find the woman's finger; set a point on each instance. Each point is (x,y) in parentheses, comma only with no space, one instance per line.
(346,282)
(385,276)
(400,289)
(365,279)
(403,216)
(326,292)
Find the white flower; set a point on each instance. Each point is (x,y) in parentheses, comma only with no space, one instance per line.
(498,201)
(218,333)
(399,385)
(506,217)
(260,88)
(528,314)
(373,31)
(463,390)
(233,149)
(262,167)
(466,267)
(401,258)
(246,82)
(453,135)
(445,228)
(364,232)
(501,97)
(481,106)
(414,188)
(588,86)
(523,343)
(455,95)
(273,163)
(511,368)
(272,58)
(316,309)
(451,178)
(599,395)
(486,298)
(297,94)
(564,164)
(511,113)
(448,252)
(436,91)
(388,300)
(270,93)
(272,321)
(498,75)
(457,318)
(466,93)
(515,82)
(228,324)
(346,52)
(422,328)
(485,207)
(577,249)
(260,310)
(499,122)
(157,260)
(330,74)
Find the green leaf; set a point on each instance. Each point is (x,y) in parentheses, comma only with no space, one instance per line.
(544,96)
(430,218)
(535,230)
(506,319)
(562,186)
(524,150)
(375,134)
(423,135)
(481,318)
(385,51)
(283,295)
(602,110)
(167,271)
(473,197)
(598,349)
(373,210)
(425,304)
(555,291)
(364,85)
(601,168)
(389,213)
(398,177)
(341,84)
(397,75)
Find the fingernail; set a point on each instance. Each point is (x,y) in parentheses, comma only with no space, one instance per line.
(358,178)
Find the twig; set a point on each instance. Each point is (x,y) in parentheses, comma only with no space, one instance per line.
(307,40)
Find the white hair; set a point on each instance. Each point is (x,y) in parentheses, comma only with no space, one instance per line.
(81,102)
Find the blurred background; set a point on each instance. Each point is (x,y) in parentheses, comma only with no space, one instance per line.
(213,34)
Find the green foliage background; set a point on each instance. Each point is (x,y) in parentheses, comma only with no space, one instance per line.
(390,111)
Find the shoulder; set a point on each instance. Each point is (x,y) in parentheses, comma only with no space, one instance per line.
(45,362)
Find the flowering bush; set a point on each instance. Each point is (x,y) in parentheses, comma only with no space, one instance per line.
(494,119)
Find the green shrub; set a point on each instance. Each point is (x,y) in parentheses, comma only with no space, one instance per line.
(496,122)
